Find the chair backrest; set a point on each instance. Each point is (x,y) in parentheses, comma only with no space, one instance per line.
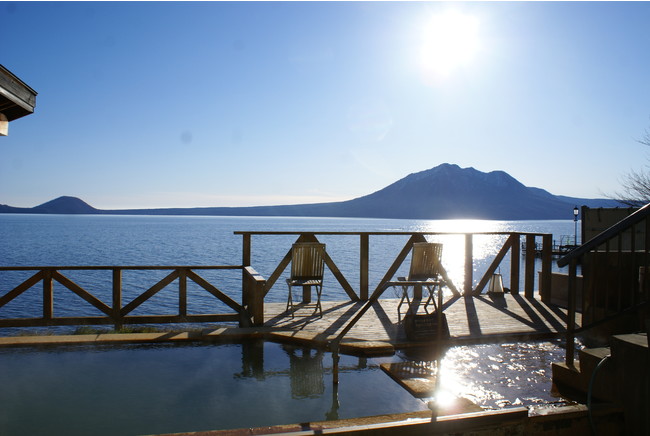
(307,260)
(425,260)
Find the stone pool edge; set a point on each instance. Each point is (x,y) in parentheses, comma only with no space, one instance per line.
(350,346)
(566,421)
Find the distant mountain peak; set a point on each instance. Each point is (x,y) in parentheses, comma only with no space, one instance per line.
(454,177)
(66,205)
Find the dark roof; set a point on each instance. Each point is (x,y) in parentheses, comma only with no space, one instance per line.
(16,98)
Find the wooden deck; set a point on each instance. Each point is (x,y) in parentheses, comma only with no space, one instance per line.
(471,319)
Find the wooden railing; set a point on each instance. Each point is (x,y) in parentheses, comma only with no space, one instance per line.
(254,287)
(117,313)
(614,265)
(512,245)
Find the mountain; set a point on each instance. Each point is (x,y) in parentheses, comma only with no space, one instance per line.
(450,192)
(444,192)
(61,205)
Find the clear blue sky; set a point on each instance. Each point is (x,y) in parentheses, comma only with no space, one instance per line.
(227,104)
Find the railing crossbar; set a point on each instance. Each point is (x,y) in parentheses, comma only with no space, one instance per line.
(116,314)
(88,297)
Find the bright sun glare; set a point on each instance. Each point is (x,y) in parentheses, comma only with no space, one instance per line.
(449,41)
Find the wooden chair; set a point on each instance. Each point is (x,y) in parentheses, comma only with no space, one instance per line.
(307,267)
(424,272)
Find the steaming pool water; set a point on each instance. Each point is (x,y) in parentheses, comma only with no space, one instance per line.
(148,389)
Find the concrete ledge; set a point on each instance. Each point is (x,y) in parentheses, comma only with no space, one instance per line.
(350,346)
(232,334)
(556,421)
(357,347)
(308,339)
(105,338)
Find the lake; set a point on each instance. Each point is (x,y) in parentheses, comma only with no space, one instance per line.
(91,240)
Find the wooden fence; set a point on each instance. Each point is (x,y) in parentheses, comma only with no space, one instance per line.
(254,287)
(512,245)
(116,312)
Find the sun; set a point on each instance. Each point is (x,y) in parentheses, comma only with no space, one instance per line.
(449,41)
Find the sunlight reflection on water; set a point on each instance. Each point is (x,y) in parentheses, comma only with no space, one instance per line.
(498,375)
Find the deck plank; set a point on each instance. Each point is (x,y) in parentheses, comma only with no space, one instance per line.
(470,319)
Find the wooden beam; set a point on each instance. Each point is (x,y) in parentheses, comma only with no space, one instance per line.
(15,292)
(16,98)
(48,295)
(87,296)
(469,265)
(117,297)
(340,277)
(275,275)
(571,315)
(515,263)
(547,252)
(182,292)
(364,263)
(493,266)
(149,293)
(529,272)
(254,286)
(395,266)
(213,290)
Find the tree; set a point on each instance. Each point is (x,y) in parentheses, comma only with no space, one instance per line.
(635,186)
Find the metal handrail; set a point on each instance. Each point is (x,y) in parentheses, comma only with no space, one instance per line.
(605,235)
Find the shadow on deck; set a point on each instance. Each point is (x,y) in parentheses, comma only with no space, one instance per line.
(483,318)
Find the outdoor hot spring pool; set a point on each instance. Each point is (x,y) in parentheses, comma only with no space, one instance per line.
(138,389)
(150,389)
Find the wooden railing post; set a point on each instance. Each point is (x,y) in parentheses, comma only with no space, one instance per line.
(514,263)
(571,315)
(529,273)
(258,299)
(246,249)
(182,292)
(254,286)
(117,298)
(246,261)
(364,263)
(48,295)
(547,252)
(469,265)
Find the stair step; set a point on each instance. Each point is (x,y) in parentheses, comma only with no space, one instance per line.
(636,341)
(591,357)
(567,381)
(596,354)
(577,377)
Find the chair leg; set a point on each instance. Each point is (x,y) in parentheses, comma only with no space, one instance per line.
(319,308)
(290,302)
(405,295)
(430,299)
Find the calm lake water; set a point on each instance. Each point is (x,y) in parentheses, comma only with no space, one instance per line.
(88,240)
(493,376)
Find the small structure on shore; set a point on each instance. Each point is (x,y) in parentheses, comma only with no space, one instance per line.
(16,99)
